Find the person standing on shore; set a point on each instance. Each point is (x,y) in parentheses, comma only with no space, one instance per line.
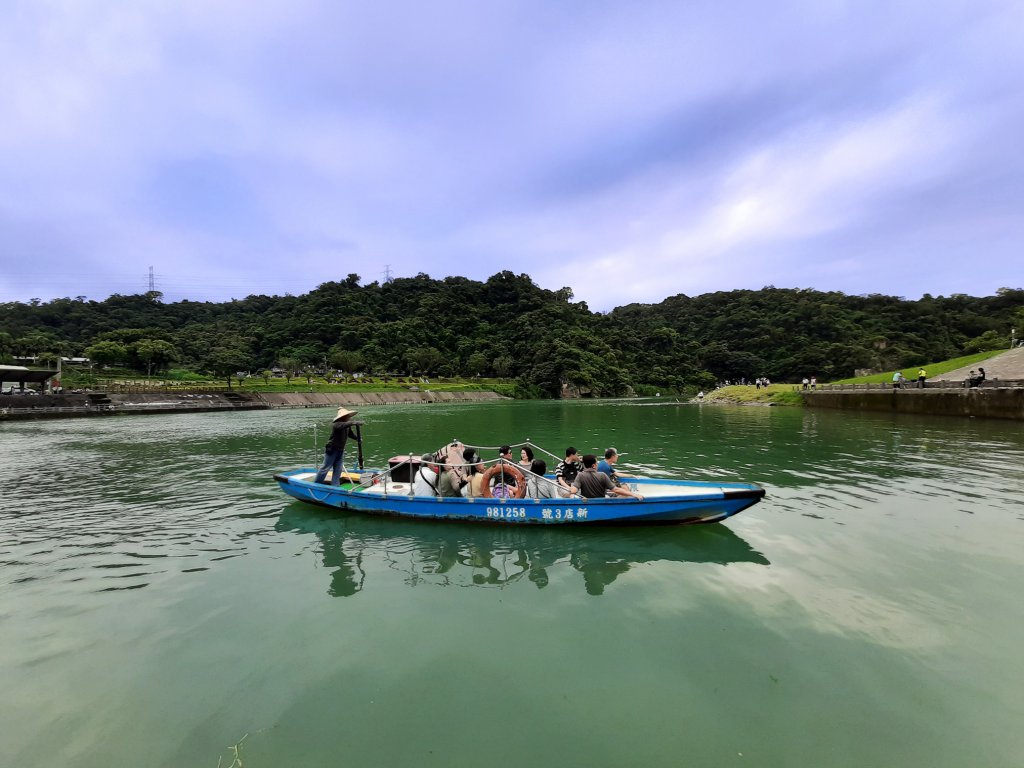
(897,380)
(921,376)
(334,451)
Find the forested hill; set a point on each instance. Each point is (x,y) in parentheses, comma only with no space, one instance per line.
(508,326)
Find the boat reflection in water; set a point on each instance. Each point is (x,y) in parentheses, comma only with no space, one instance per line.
(456,554)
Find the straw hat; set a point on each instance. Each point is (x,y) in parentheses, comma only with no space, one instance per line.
(344,413)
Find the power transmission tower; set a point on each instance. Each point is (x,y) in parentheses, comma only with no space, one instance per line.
(387,273)
(152,281)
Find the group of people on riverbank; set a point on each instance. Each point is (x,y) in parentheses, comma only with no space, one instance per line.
(973,379)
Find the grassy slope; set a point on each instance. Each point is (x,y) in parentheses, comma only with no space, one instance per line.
(775,394)
(74,378)
(933,369)
(785,394)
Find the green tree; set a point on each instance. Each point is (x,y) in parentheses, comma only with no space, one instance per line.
(345,360)
(155,353)
(477,364)
(105,353)
(290,365)
(6,347)
(227,358)
(36,343)
(503,366)
(425,360)
(987,341)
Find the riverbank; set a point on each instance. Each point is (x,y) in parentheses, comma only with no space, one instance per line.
(773,394)
(16,407)
(990,402)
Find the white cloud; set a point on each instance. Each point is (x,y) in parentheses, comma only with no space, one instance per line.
(628,153)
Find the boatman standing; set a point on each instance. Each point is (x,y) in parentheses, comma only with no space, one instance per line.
(334,451)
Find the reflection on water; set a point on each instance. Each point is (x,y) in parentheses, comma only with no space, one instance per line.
(155,585)
(456,554)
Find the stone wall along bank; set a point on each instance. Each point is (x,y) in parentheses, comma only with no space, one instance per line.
(981,402)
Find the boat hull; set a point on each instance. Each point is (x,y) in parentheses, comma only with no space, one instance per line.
(666,502)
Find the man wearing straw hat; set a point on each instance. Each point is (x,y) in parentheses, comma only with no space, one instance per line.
(334,451)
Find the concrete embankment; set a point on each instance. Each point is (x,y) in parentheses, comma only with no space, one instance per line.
(102,404)
(983,402)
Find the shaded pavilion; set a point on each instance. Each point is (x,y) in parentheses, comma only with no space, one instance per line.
(17,374)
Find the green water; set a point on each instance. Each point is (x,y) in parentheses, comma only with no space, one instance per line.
(160,599)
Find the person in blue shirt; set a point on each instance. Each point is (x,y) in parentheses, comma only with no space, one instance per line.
(607,465)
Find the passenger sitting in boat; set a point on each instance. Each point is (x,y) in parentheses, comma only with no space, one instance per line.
(608,466)
(453,473)
(507,482)
(566,471)
(538,486)
(596,485)
(426,478)
(526,458)
(475,486)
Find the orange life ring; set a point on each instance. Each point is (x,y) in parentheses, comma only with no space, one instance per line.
(512,471)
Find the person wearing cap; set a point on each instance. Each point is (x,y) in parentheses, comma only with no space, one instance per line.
(334,451)
(608,466)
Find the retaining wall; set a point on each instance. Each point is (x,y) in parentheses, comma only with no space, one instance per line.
(61,406)
(983,402)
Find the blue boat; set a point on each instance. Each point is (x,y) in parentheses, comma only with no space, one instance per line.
(389,492)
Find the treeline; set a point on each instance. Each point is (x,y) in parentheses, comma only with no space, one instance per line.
(509,327)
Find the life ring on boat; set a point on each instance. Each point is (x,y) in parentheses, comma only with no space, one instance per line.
(518,490)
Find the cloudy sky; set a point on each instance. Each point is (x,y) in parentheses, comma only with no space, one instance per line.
(628,150)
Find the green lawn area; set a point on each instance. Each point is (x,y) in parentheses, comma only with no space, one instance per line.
(776,394)
(300,385)
(126,378)
(933,369)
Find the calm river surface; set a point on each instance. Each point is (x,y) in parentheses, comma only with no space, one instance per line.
(160,598)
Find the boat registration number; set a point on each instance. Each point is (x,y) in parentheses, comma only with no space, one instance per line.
(505,513)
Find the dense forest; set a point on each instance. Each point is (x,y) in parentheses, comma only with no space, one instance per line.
(509,327)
